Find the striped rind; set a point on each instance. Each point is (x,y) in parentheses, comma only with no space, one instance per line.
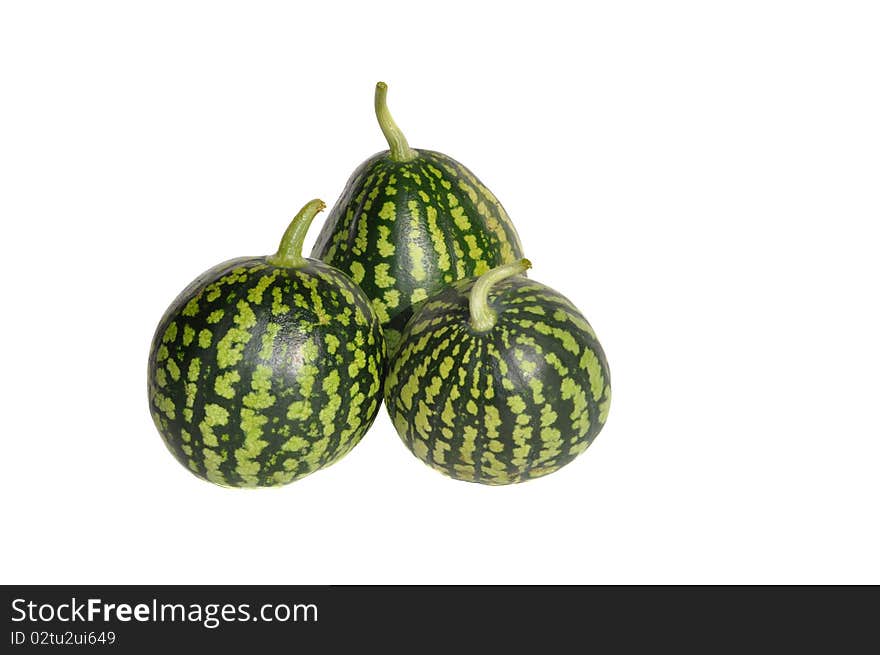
(510,404)
(405,230)
(259,375)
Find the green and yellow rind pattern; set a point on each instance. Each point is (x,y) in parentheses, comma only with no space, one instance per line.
(260,375)
(405,230)
(513,403)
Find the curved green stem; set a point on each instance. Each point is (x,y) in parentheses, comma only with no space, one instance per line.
(482,316)
(400,150)
(289,253)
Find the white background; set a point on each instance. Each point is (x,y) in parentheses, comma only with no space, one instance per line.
(700,178)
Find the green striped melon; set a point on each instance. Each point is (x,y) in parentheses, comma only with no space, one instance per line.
(411,222)
(498,380)
(265,369)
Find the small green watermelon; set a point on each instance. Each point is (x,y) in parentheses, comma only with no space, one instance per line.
(411,222)
(265,369)
(498,380)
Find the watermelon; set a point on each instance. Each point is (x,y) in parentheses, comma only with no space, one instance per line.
(266,369)
(498,380)
(411,222)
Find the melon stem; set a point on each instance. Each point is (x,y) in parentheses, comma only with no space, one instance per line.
(483,317)
(289,253)
(400,150)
